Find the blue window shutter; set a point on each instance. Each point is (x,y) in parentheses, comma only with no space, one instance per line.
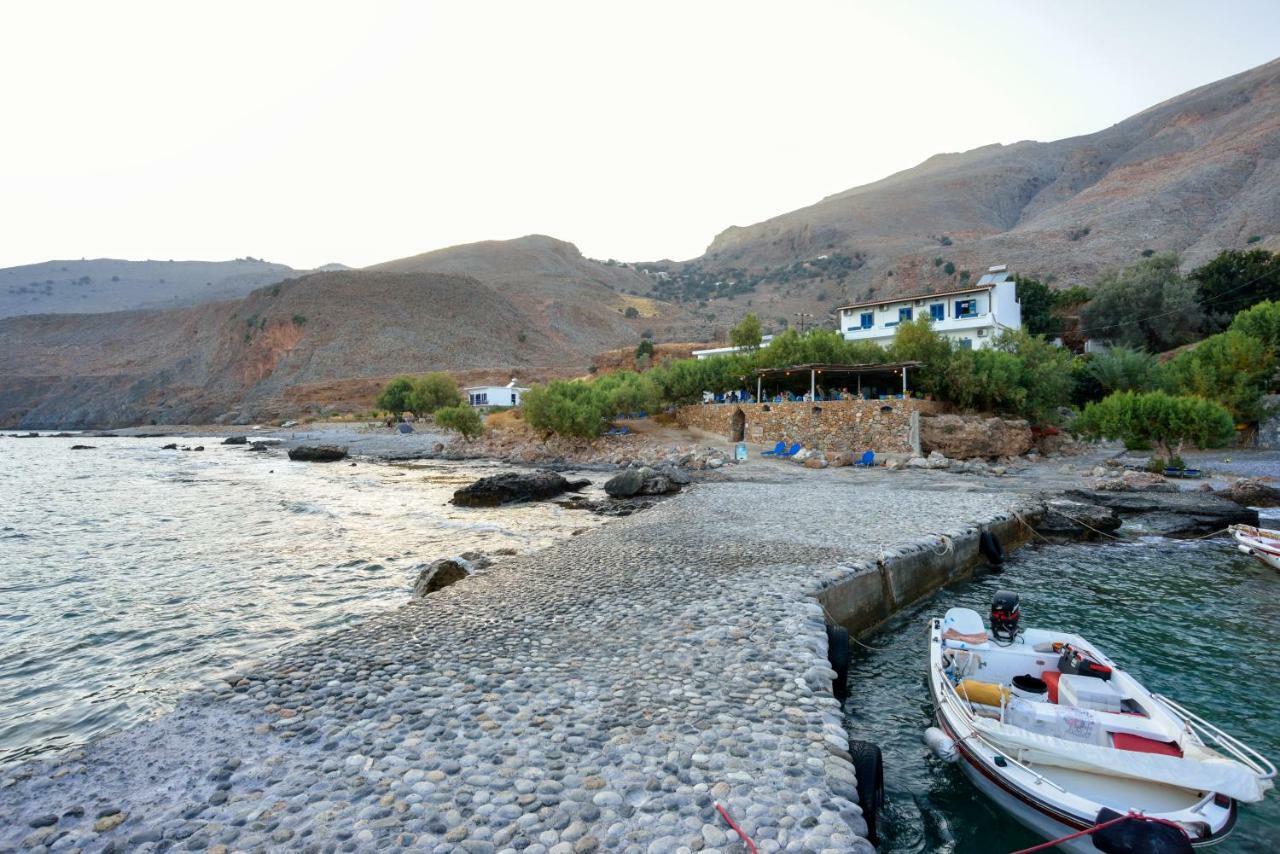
(904,314)
(936,311)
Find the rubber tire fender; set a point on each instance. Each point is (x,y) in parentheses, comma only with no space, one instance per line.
(838,656)
(868,767)
(992,550)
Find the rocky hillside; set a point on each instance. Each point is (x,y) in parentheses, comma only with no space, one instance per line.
(1195,175)
(330,333)
(109,284)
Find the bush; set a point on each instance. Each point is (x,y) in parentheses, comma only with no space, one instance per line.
(948,268)
(567,408)
(1147,305)
(1044,375)
(631,312)
(1164,421)
(1234,281)
(1232,368)
(1261,322)
(463,419)
(625,392)
(644,349)
(1123,369)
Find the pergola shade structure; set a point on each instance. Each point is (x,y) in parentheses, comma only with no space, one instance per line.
(824,381)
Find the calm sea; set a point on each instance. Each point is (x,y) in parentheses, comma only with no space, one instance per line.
(130,573)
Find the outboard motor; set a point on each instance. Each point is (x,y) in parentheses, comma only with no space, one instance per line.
(1004,615)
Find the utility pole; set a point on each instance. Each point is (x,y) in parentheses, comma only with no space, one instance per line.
(803,319)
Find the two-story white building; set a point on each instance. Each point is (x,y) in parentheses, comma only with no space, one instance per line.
(972,316)
(495,395)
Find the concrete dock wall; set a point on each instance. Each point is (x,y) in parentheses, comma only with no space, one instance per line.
(871,593)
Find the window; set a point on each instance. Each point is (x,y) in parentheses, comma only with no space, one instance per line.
(479,398)
(904,313)
(966,308)
(937,311)
(868,320)
(515,399)
(966,343)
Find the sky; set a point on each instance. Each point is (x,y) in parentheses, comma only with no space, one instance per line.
(314,132)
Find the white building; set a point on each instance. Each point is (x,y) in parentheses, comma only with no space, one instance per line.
(725,351)
(972,316)
(495,395)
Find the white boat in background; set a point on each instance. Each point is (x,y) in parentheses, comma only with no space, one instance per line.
(1261,543)
(1047,726)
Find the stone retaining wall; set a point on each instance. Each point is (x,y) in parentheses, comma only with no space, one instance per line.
(851,426)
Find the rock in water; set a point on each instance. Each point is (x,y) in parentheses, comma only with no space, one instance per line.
(1251,492)
(1066,520)
(172,446)
(511,486)
(440,574)
(236,440)
(625,483)
(318,453)
(82,447)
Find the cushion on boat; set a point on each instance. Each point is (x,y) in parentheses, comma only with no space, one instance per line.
(1050,678)
(1127,741)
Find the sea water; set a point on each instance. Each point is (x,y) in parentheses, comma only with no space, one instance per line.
(1194,620)
(129,573)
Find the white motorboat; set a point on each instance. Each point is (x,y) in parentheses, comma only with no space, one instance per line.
(1261,543)
(1058,735)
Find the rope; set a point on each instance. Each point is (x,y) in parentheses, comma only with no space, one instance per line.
(1089,831)
(747,839)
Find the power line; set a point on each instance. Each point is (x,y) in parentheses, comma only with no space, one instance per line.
(1092,329)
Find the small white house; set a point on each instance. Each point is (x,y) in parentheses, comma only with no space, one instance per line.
(971,316)
(495,395)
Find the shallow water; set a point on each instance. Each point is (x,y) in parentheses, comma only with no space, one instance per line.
(1194,620)
(129,573)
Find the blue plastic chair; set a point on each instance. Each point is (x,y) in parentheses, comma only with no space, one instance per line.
(777,450)
(790,452)
(868,459)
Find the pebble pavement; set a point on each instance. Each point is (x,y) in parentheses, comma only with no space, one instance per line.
(600,695)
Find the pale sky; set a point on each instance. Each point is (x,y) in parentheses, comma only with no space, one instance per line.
(310,132)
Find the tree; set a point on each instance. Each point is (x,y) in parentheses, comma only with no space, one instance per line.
(462,418)
(1123,369)
(915,341)
(1234,281)
(747,333)
(433,391)
(1148,305)
(1231,368)
(1044,374)
(1164,421)
(631,312)
(644,350)
(394,397)
(1037,302)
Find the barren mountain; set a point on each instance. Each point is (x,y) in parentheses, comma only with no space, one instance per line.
(322,337)
(109,284)
(1195,175)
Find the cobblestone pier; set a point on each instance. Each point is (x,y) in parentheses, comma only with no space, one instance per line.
(599,695)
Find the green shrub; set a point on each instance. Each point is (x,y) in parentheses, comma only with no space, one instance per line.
(565,407)
(1262,322)
(1123,369)
(1164,421)
(948,268)
(394,397)
(644,349)
(462,418)
(1231,368)
(631,312)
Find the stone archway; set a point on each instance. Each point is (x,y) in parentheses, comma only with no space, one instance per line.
(738,428)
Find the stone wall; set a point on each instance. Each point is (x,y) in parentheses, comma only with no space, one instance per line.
(852,426)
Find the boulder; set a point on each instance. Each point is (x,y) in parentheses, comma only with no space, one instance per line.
(657,485)
(917,463)
(82,447)
(441,573)
(968,436)
(625,483)
(509,487)
(937,460)
(236,440)
(172,446)
(815,462)
(1251,492)
(1066,520)
(318,453)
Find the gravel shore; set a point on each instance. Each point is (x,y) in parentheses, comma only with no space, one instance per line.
(599,695)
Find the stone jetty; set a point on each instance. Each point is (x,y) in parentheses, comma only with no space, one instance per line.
(600,695)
